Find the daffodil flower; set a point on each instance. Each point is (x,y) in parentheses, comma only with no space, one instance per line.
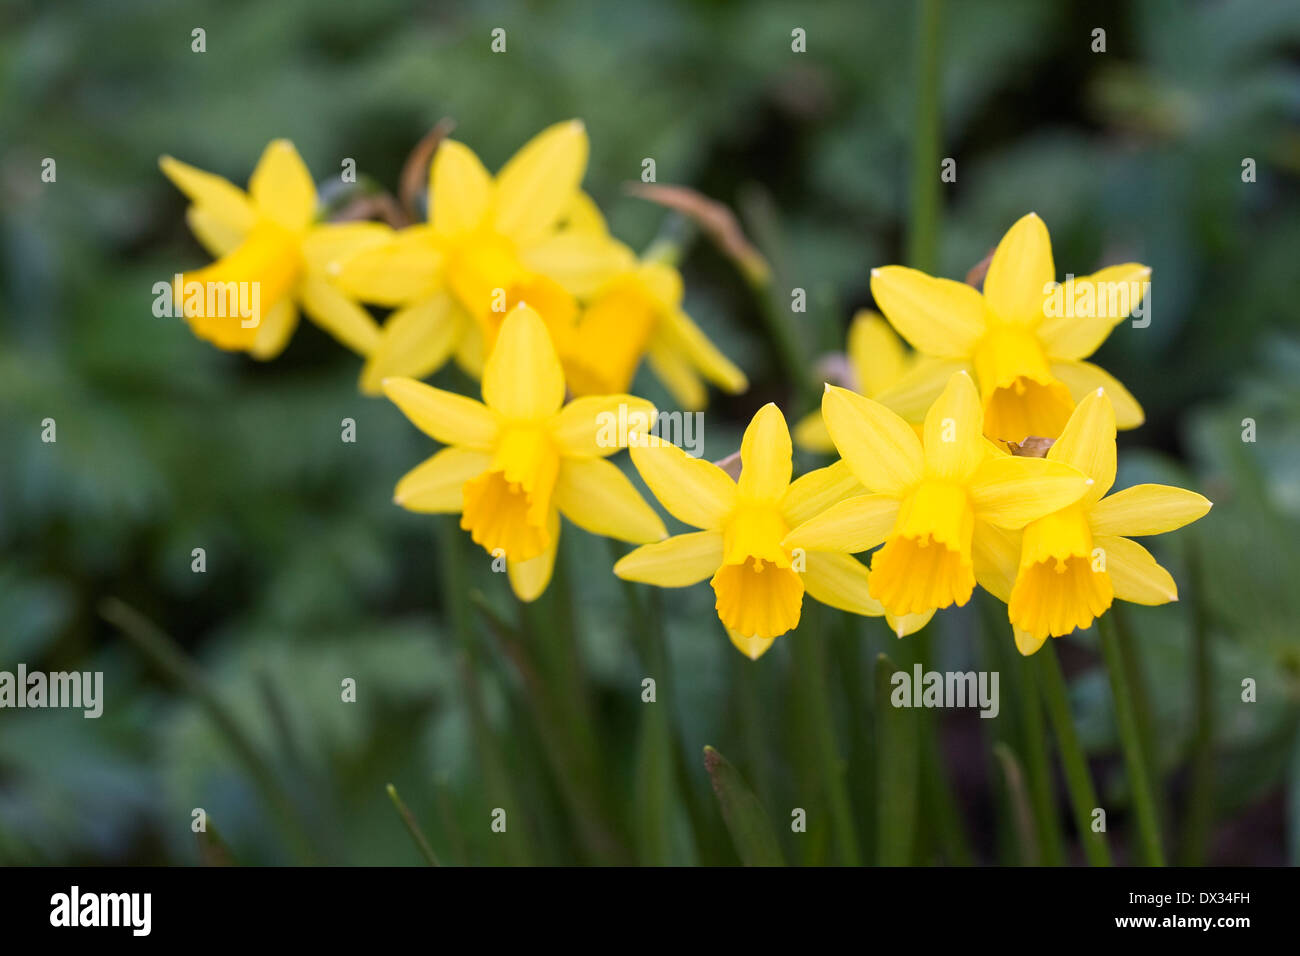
(759,583)
(1024,346)
(876,361)
(1067,567)
(489,244)
(518,462)
(636,313)
(269,236)
(929,503)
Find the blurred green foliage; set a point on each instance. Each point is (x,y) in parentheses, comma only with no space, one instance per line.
(165,445)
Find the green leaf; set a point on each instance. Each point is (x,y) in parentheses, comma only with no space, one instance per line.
(747,821)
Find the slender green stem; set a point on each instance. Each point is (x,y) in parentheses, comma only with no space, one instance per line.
(180,668)
(1131,742)
(1021,812)
(922,240)
(897,770)
(412,827)
(1083,797)
(1200,799)
(1032,736)
(810,666)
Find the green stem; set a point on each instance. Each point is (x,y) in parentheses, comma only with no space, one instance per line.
(412,827)
(1131,742)
(1083,797)
(811,672)
(1200,800)
(1032,743)
(922,240)
(897,775)
(180,668)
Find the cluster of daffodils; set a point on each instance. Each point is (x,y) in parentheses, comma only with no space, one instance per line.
(516,278)
(529,234)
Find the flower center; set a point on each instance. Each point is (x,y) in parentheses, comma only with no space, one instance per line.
(926,563)
(225,302)
(506,507)
(1062,583)
(758,593)
(1021,396)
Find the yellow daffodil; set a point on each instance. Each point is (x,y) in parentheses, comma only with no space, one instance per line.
(1068,566)
(490,243)
(930,502)
(759,583)
(876,361)
(1022,339)
(637,312)
(518,462)
(268,239)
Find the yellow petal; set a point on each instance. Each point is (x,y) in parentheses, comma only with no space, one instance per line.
(1084,377)
(583,215)
(328,246)
(1147,509)
(817,490)
(415,342)
(766,456)
(875,352)
(677,331)
(580,261)
(880,447)
(599,425)
(954,430)
(220,199)
(810,434)
(460,189)
(1081,328)
(597,497)
(853,525)
(434,486)
(444,416)
(677,562)
(751,647)
(1020,272)
(275,330)
(840,581)
(523,378)
(528,579)
(537,185)
(1011,492)
(282,187)
(678,376)
(214,233)
(338,315)
(996,556)
(1027,643)
(939,317)
(1088,443)
(1134,573)
(908,623)
(912,395)
(407,268)
(694,491)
